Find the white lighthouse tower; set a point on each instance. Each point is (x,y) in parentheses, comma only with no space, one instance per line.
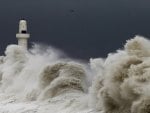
(23,36)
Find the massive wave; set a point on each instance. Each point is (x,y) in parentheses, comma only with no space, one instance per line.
(44,80)
(123,85)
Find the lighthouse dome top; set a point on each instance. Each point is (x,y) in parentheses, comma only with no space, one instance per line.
(23,21)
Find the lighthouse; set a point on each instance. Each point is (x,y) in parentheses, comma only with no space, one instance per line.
(22,35)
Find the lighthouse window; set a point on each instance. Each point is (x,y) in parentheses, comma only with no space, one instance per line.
(24,32)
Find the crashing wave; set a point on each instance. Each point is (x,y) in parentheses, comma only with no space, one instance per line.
(50,83)
(124,87)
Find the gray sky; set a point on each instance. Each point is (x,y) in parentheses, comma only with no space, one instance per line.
(81,28)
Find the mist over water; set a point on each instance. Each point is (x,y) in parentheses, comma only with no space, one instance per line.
(45,80)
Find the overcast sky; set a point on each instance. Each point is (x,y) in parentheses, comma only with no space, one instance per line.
(81,28)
